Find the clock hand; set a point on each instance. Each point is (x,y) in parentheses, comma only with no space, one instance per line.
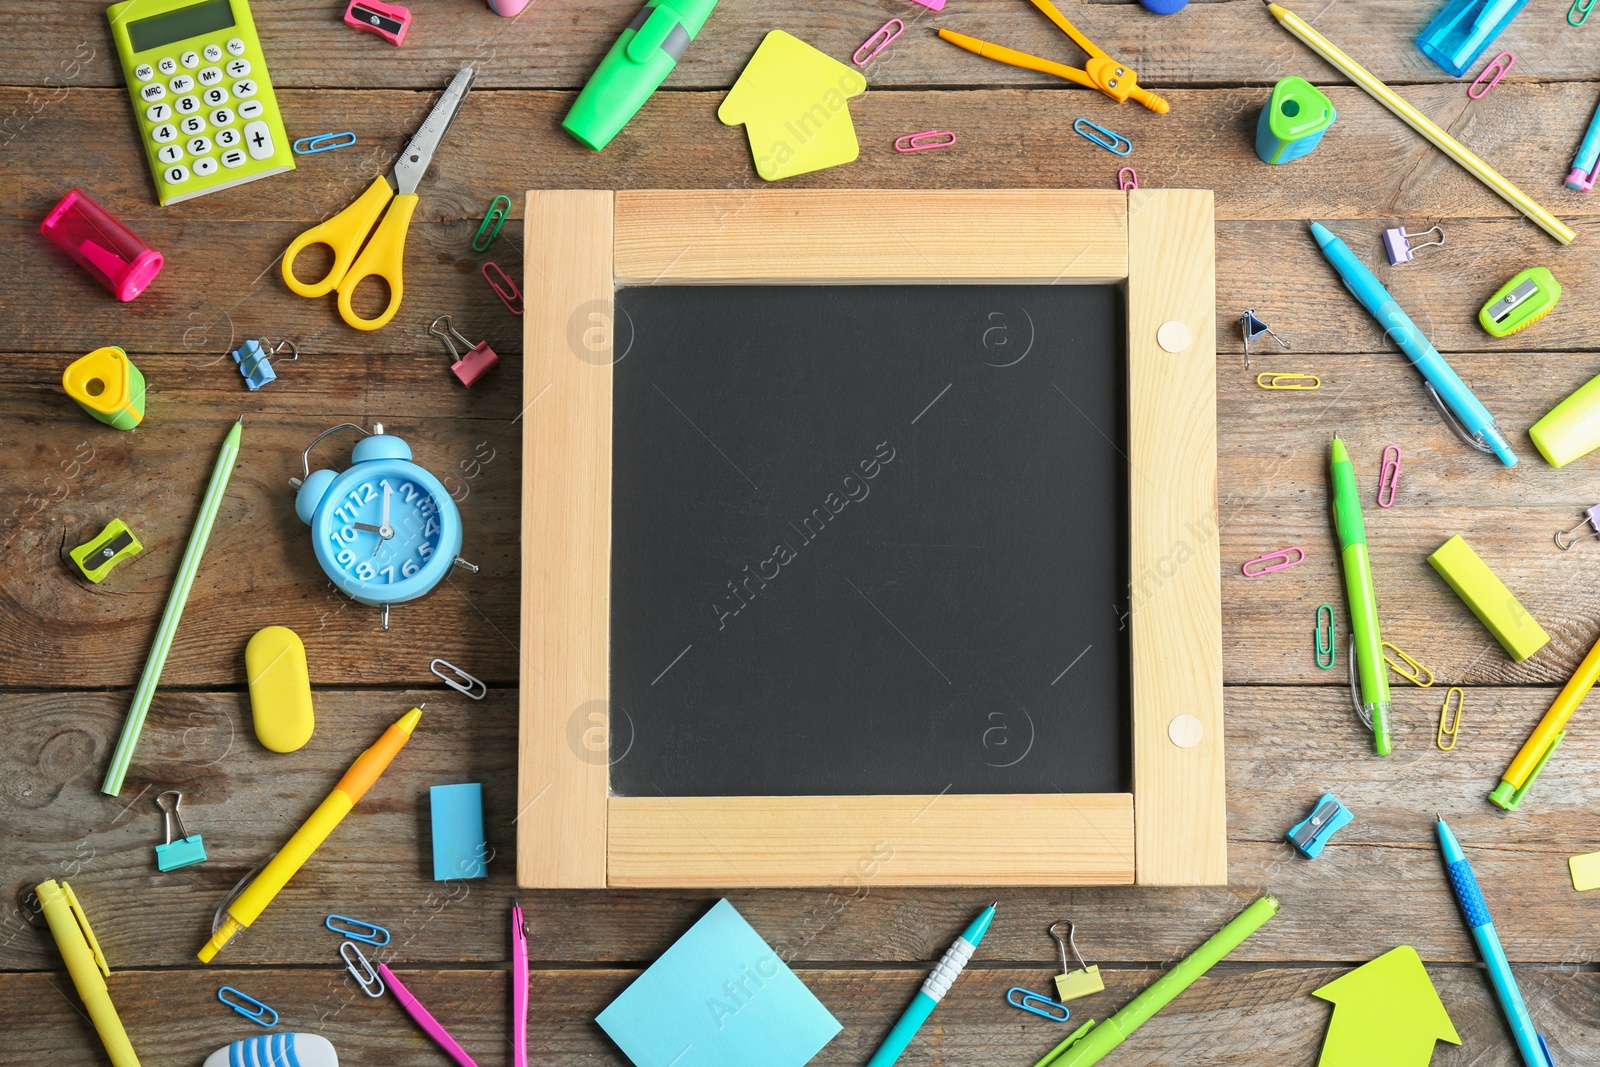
(387,531)
(368,527)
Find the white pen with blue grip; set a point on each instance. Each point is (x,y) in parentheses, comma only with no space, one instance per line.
(1478,424)
(932,991)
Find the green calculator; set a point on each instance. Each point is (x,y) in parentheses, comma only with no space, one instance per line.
(201,94)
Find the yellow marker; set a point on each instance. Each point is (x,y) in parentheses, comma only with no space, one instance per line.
(87,966)
(292,856)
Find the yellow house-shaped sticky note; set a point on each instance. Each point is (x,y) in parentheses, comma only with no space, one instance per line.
(792,101)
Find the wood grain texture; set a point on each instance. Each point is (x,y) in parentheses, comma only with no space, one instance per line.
(1175,603)
(950,839)
(882,237)
(566,541)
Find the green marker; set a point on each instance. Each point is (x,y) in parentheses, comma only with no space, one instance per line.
(1374,690)
(1090,1042)
(634,68)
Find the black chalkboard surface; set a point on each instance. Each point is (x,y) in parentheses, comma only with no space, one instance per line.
(869,539)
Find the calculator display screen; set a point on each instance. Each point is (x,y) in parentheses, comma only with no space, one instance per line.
(192,21)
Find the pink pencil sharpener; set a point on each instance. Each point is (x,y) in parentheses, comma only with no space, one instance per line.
(101,245)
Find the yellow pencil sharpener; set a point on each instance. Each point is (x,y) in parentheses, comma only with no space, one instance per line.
(107,385)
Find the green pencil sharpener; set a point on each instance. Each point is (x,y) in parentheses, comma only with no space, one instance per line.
(96,557)
(1293,122)
(1529,296)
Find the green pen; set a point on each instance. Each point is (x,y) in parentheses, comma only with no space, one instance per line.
(1373,701)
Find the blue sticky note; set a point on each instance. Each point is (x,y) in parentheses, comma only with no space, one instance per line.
(459,850)
(719,997)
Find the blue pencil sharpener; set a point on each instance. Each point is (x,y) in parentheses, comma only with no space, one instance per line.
(1458,35)
(1293,121)
(1311,833)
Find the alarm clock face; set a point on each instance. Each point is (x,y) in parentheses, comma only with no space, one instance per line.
(386,532)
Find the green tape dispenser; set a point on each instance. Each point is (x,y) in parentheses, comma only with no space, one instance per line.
(96,557)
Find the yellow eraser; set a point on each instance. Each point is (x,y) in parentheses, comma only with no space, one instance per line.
(1489,599)
(1585,871)
(280,688)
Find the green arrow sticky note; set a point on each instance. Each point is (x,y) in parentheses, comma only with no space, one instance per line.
(1386,1014)
(791,100)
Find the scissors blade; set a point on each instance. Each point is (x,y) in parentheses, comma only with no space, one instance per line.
(418,153)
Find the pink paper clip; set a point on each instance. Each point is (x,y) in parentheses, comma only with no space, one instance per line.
(1127,178)
(917,142)
(510,296)
(1281,560)
(1389,476)
(878,42)
(1494,72)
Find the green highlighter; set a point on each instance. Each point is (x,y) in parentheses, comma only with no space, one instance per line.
(1374,675)
(635,67)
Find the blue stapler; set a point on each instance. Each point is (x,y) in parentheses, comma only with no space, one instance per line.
(1311,833)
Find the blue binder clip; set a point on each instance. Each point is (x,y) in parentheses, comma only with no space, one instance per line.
(255,364)
(1311,833)
(188,849)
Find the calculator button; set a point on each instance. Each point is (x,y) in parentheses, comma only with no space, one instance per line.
(167,65)
(144,72)
(235,47)
(199,146)
(192,125)
(250,109)
(238,68)
(244,89)
(216,96)
(188,105)
(158,112)
(169,153)
(153,91)
(164,133)
(212,53)
(258,140)
(190,59)
(205,167)
(227,138)
(221,117)
(233,158)
(176,175)
(181,84)
(211,76)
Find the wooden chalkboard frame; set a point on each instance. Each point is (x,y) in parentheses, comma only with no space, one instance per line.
(581,245)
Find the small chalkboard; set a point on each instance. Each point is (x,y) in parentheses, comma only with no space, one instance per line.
(870,536)
(869,539)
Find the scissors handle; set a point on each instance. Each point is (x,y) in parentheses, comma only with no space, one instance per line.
(384,257)
(343,234)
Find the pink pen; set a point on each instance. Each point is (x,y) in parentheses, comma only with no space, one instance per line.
(519,988)
(424,1018)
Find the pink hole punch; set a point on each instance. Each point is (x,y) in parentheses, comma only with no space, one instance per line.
(1281,560)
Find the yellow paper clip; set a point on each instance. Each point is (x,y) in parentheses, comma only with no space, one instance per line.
(1268,380)
(1409,669)
(1448,726)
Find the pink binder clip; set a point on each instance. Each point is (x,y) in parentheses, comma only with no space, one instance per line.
(1389,477)
(1494,72)
(1127,178)
(1281,560)
(878,42)
(917,142)
(509,294)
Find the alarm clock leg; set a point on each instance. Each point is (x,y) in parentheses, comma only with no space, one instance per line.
(384,617)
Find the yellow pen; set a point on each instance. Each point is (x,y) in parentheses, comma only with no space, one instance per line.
(292,856)
(87,966)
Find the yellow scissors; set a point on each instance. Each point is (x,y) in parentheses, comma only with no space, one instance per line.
(384,255)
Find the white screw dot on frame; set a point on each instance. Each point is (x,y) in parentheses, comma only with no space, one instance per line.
(1185,731)
(1173,336)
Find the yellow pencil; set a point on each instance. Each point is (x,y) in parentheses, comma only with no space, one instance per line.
(1421,123)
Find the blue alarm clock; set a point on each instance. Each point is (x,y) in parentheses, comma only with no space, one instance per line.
(385,530)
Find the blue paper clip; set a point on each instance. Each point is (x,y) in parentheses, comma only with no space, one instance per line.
(358,930)
(252,357)
(323,142)
(257,1016)
(1311,833)
(1111,138)
(1031,1001)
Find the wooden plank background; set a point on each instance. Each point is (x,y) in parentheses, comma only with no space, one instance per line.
(73,652)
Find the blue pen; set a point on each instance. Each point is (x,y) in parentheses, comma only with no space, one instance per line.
(1535,1053)
(1447,387)
(1583,165)
(932,991)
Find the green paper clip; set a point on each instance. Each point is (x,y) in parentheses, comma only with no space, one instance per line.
(1506,797)
(496,218)
(95,557)
(1322,638)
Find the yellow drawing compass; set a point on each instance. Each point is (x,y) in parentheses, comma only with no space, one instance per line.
(1116,80)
